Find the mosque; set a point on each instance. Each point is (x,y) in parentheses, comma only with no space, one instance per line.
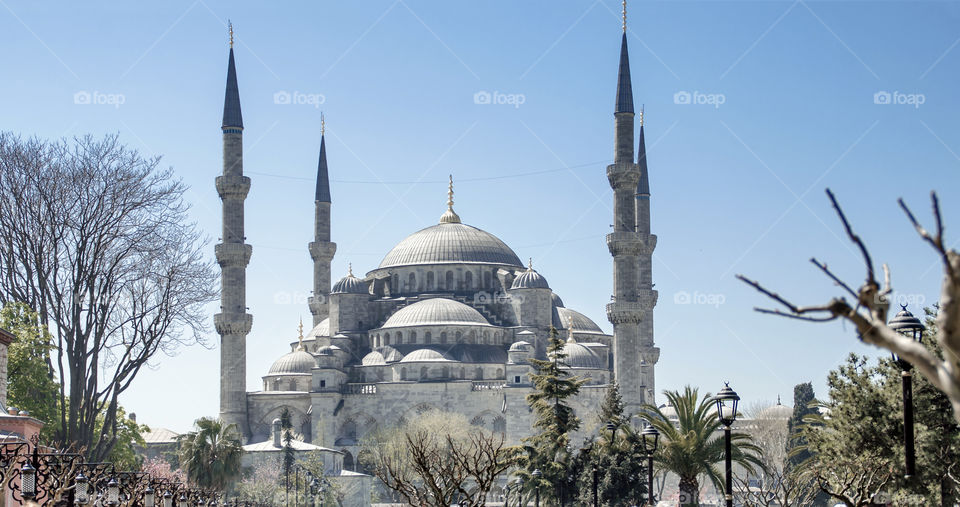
(448,320)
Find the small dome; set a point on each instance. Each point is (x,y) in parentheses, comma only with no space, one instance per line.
(320,330)
(556,300)
(295,362)
(425,355)
(775,412)
(579,356)
(350,285)
(521,346)
(581,323)
(435,311)
(668,411)
(530,279)
(374,358)
(327,350)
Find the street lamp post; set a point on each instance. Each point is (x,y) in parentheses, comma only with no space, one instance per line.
(650,437)
(537,474)
(28,482)
(911,327)
(596,501)
(520,492)
(82,495)
(727,400)
(113,492)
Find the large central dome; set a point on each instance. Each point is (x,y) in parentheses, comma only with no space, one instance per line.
(450,243)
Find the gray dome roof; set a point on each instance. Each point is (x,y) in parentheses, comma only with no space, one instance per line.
(530,279)
(579,356)
(436,311)
(521,346)
(298,361)
(450,243)
(321,329)
(775,412)
(581,323)
(350,285)
(374,358)
(556,300)
(327,350)
(422,355)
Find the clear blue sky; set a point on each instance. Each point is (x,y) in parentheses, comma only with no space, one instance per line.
(737,187)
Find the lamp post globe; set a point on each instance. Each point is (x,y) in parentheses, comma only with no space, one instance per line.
(650,438)
(182,501)
(167,499)
(911,327)
(537,474)
(113,492)
(149,497)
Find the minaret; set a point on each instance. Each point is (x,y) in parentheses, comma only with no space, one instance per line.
(321,249)
(626,310)
(648,296)
(233,322)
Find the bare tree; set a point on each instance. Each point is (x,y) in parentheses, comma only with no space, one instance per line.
(855,481)
(777,484)
(439,460)
(871,305)
(96,239)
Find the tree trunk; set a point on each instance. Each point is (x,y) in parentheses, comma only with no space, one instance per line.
(689,491)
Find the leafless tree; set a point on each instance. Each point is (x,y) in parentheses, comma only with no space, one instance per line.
(96,239)
(430,462)
(856,481)
(870,306)
(778,485)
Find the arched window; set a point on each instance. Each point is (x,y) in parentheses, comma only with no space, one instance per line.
(499,373)
(412,283)
(403,374)
(349,430)
(486,280)
(500,424)
(395,284)
(459,337)
(293,385)
(468,280)
(443,337)
(424,373)
(430,280)
(449,284)
(486,337)
(473,336)
(427,338)
(413,337)
(399,338)
(276,385)
(347,460)
(446,372)
(463,372)
(386,339)
(479,373)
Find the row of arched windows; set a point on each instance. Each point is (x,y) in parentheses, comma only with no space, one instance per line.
(440,281)
(424,373)
(485,337)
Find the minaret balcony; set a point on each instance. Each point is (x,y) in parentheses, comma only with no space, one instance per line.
(322,250)
(650,355)
(233,187)
(626,243)
(623,176)
(233,323)
(625,312)
(233,254)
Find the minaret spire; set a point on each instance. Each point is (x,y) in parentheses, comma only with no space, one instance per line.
(233,323)
(321,249)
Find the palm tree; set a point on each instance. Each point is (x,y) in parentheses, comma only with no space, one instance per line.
(693,446)
(210,455)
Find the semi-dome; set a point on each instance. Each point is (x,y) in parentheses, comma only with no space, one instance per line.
(298,361)
(436,311)
(556,300)
(581,323)
(530,279)
(350,285)
(373,358)
(579,356)
(450,243)
(425,355)
(321,329)
(521,346)
(328,350)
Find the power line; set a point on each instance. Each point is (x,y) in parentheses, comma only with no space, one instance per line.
(397,182)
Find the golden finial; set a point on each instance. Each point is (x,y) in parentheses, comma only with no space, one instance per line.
(350,268)
(450,216)
(323,124)
(230,28)
(530,263)
(624,16)
(641,115)
(300,333)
